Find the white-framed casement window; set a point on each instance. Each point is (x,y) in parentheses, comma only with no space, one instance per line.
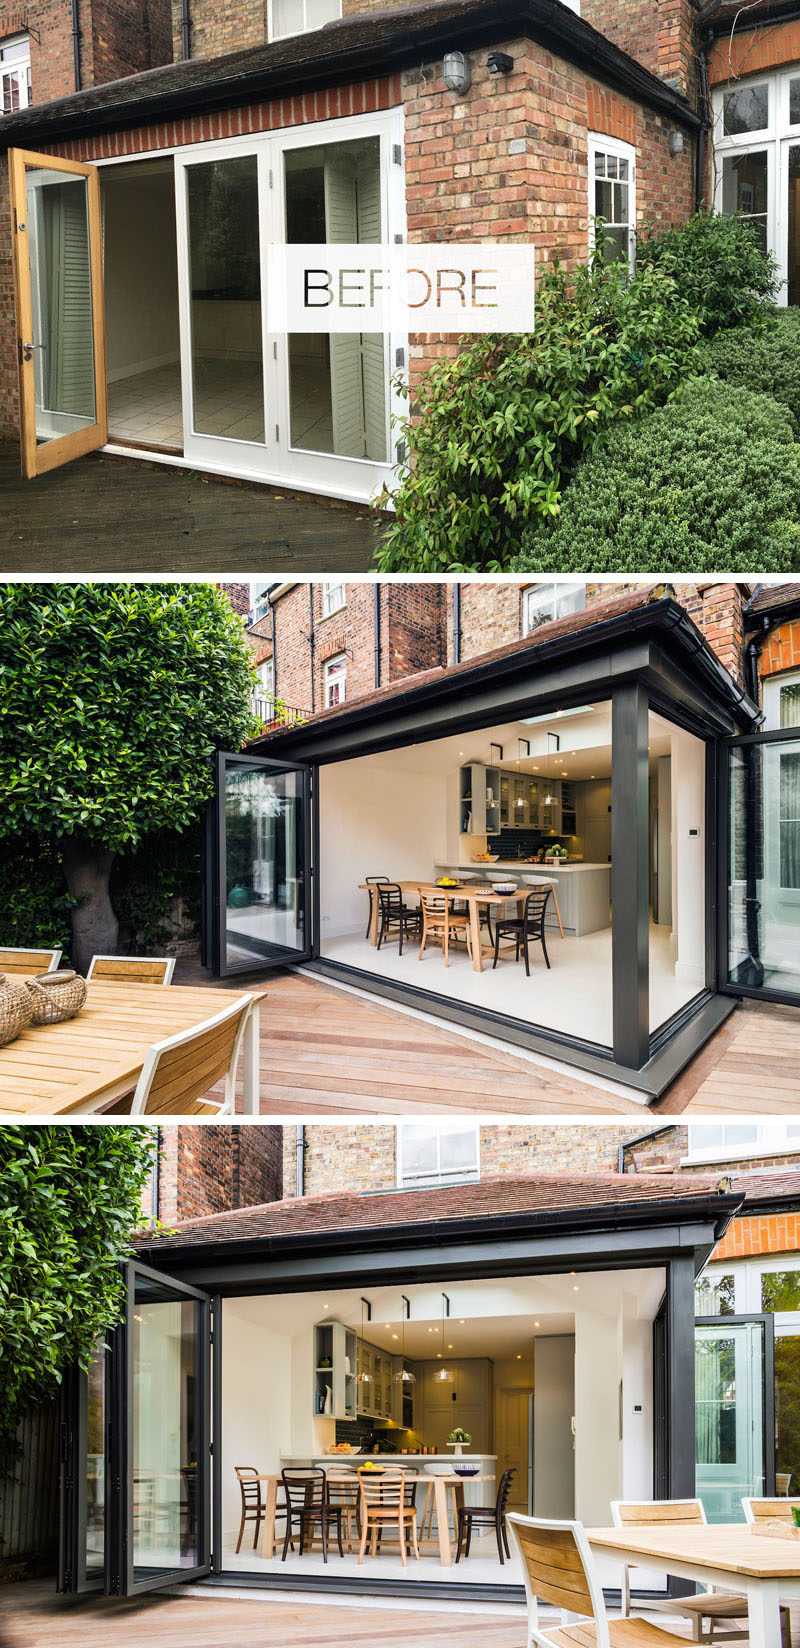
(334,597)
(437,1153)
(259,599)
(288,17)
(782,701)
(335,680)
(265,691)
(732,1141)
(757,164)
(556,599)
(15,74)
(612,196)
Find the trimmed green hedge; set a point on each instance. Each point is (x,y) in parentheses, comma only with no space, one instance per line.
(718,266)
(765,359)
(710,483)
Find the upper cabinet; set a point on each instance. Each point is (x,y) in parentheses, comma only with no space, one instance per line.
(479,800)
(335,1370)
(500,798)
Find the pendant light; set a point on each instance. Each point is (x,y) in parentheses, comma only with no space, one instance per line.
(404,1376)
(444,1376)
(554,747)
(364,1376)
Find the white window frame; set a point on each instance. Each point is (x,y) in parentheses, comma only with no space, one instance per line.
(335,674)
(599,143)
(266,678)
(334,596)
(772,698)
(747,1274)
(293,33)
(561,587)
(439,1130)
(259,596)
(12,68)
(772,1139)
(776,138)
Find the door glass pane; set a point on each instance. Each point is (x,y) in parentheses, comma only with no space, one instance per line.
(265,881)
(780,1290)
(793,224)
(338,382)
(794,102)
(787,1413)
(729,1432)
(764,866)
(225,272)
(745,110)
(95,1465)
(744,189)
(166,1432)
(61,299)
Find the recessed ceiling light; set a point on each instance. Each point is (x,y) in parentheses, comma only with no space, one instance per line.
(575,1288)
(519,1356)
(537,1324)
(395,1336)
(387,1324)
(462,1320)
(438,1356)
(449,1347)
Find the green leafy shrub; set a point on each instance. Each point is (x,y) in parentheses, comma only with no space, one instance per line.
(719,267)
(710,483)
(35,907)
(500,428)
(766,359)
(69,1200)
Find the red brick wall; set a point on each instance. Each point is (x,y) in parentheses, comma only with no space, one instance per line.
(750,50)
(220,26)
(206,1170)
(760,1233)
(117,38)
(659,33)
(781,649)
(239,597)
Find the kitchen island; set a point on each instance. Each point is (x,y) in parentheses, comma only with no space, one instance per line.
(583,889)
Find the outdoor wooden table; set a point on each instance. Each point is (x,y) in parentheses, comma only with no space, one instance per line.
(88,1062)
(473,897)
(725,1554)
(439,1484)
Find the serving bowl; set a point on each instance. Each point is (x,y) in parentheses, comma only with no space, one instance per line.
(467,1470)
(505,887)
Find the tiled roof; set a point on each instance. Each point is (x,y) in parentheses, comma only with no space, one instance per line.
(537,1194)
(771,597)
(767,1185)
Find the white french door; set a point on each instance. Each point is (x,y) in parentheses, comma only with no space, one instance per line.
(312,411)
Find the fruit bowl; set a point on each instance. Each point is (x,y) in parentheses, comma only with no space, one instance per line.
(446,881)
(486,858)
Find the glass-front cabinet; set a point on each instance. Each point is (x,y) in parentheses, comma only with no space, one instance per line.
(375,1382)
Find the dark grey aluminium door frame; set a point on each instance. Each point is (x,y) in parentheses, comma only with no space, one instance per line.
(214,874)
(644,668)
(754,740)
(73,1577)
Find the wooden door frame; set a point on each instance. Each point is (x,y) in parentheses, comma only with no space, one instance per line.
(37,459)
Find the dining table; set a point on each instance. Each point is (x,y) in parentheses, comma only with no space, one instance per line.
(437,1487)
(740,1557)
(476,896)
(88,1062)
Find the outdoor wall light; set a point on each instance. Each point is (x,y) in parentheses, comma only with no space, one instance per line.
(457,71)
(499,63)
(676,143)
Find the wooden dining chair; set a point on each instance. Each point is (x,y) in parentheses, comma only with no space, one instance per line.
(132,969)
(178,1073)
(394,914)
(374,881)
(487,1516)
(253,1507)
(307,1506)
(13,960)
(385,1506)
(709,1605)
(343,1491)
(544,881)
(769,1510)
(442,924)
(559,1569)
(525,929)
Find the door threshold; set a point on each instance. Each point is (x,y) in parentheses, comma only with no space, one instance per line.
(140,449)
(270,483)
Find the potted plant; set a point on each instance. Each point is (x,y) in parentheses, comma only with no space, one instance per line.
(458,1440)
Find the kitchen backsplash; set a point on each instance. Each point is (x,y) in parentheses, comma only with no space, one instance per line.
(521,843)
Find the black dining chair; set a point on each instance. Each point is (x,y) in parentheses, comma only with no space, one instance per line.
(487,1516)
(374,881)
(529,926)
(307,1504)
(395,914)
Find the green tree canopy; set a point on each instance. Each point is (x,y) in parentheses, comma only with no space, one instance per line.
(69,1199)
(112,699)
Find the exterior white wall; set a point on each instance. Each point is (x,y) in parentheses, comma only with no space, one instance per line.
(374,820)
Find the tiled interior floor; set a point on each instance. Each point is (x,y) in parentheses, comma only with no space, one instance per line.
(146,408)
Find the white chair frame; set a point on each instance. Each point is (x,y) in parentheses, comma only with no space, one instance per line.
(537,1638)
(773,1499)
(52,957)
(220,1107)
(169,962)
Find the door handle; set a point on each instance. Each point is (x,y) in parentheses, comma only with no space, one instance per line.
(26,350)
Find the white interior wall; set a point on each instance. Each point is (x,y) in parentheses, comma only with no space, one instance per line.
(374,821)
(256,1399)
(689,836)
(140,270)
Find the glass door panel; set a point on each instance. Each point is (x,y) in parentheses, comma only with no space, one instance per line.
(787,1413)
(793,223)
(745,190)
(764,865)
(57,250)
(82,1488)
(338,383)
(222,206)
(730,1442)
(259,865)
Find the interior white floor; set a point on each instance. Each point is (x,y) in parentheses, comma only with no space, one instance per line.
(482,1567)
(574,996)
(146,407)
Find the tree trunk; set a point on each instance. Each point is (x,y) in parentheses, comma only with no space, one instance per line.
(87,867)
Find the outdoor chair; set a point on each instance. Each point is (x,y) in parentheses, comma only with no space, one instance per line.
(769,1510)
(395,914)
(28,961)
(443,924)
(253,1508)
(179,1073)
(133,969)
(374,881)
(527,928)
(384,1505)
(558,1568)
(307,1505)
(486,1516)
(709,1605)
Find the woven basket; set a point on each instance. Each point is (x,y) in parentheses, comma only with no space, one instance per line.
(56,996)
(16,1008)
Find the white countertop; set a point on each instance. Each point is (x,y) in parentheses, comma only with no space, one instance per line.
(518,865)
(410,1458)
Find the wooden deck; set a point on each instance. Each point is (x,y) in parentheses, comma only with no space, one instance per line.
(103,514)
(329,1053)
(31,1616)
